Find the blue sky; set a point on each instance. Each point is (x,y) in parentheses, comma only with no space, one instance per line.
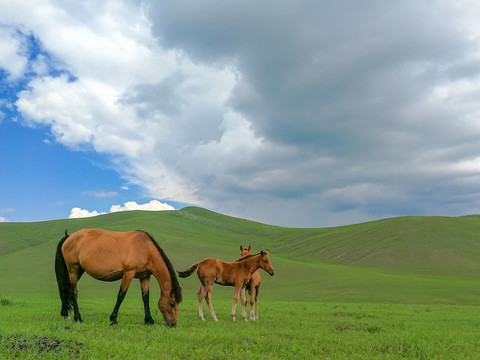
(46,180)
(310,113)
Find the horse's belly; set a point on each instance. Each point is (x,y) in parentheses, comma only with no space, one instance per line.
(109,276)
(219,280)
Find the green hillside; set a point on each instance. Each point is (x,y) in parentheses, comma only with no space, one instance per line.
(398,260)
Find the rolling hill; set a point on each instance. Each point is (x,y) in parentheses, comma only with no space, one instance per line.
(400,260)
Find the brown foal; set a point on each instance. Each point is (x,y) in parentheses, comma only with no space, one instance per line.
(237,274)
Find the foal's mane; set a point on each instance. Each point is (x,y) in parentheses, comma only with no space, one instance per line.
(247,257)
(176,288)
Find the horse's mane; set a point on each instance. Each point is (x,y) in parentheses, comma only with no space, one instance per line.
(247,257)
(176,288)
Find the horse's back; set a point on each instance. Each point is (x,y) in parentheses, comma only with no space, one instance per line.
(221,272)
(89,241)
(106,254)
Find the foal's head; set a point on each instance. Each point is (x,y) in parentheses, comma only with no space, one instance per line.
(265,263)
(245,251)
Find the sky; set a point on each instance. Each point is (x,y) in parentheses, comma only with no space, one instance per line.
(310,113)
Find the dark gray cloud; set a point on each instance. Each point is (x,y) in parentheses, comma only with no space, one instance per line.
(386,90)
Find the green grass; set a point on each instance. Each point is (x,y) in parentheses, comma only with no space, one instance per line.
(389,289)
(285,330)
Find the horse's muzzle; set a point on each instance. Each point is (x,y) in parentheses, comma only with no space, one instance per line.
(171,325)
(271,272)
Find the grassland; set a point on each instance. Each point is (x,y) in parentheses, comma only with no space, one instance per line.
(389,289)
(286,330)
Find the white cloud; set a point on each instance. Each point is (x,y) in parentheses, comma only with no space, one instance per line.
(2,219)
(13,52)
(82,213)
(153,205)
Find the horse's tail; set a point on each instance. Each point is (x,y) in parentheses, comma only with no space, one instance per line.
(189,271)
(63,279)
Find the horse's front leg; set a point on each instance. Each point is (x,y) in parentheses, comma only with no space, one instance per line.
(252,302)
(145,285)
(257,290)
(238,288)
(243,298)
(126,280)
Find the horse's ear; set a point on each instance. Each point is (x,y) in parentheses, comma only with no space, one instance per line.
(241,248)
(262,253)
(249,247)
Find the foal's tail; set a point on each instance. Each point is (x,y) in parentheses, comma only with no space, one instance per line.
(63,280)
(189,271)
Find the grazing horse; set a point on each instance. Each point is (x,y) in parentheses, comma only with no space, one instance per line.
(109,256)
(253,286)
(237,273)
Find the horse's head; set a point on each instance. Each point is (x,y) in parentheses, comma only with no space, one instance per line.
(245,251)
(168,306)
(265,263)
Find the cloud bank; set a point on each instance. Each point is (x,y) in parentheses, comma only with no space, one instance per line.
(310,113)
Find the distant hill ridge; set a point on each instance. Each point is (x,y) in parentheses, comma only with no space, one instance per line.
(439,244)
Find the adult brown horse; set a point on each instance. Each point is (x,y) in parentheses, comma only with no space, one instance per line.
(253,286)
(237,273)
(109,256)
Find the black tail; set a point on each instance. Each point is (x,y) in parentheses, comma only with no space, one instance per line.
(63,280)
(189,271)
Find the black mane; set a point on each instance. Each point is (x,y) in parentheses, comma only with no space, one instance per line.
(176,288)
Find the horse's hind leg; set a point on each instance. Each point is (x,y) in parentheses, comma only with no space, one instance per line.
(208,297)
(126,280)
(74,275)
(200,295)
(145,285)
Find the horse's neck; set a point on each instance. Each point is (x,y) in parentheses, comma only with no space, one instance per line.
(252,263)
(160,271)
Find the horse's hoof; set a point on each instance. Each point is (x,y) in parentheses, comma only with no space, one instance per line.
(67,318)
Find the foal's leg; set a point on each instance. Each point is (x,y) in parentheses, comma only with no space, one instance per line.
(208,297)
(257,290)
(236,294)
(145,284)
(243,299)
(200,295)
(126,280)
(252,301)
